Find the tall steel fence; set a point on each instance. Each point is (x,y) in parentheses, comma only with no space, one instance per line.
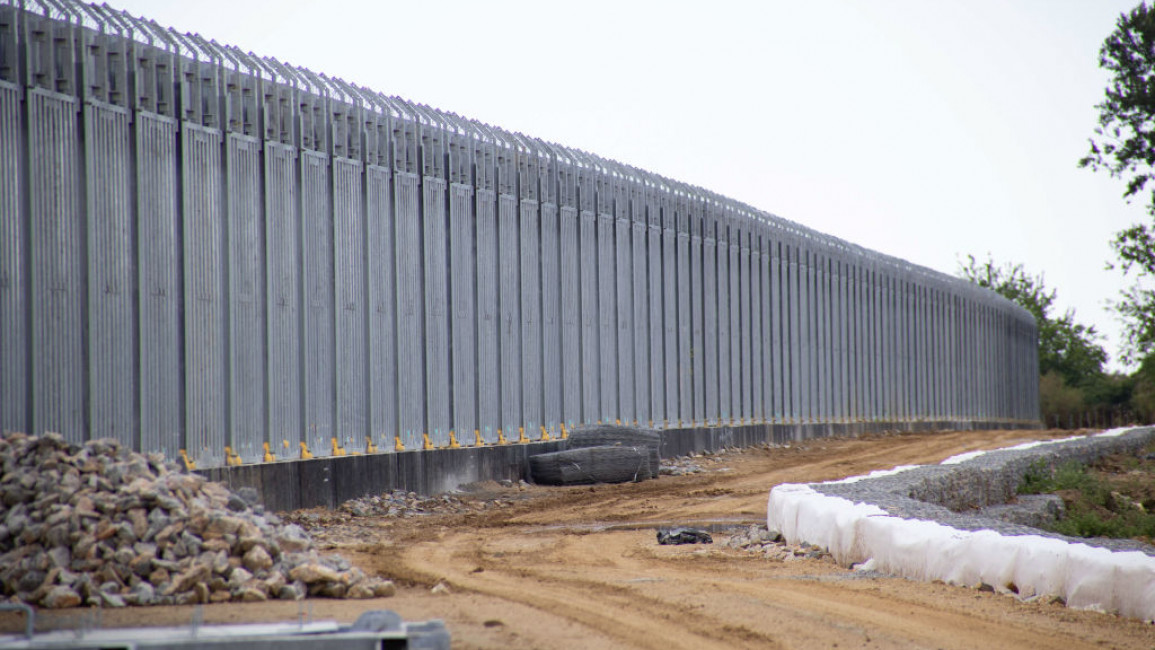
(202,248)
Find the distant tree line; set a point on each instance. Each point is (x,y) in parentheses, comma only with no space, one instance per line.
(1075,390)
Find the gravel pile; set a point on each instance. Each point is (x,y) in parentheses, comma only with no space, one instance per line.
(98,524)
(769,544)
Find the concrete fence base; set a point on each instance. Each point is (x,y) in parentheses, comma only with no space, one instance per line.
(328,482)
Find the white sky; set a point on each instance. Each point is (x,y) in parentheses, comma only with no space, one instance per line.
(925,130)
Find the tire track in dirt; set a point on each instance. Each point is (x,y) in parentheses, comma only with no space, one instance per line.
(564,556)
(566,568)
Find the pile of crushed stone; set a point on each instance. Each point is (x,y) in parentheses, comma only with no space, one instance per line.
(100,525)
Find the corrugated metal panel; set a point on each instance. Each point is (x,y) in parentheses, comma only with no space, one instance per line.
(436,267)
(509,271)
(624,275)
(410,312)
(821,385)
(531,371)
(382,288)
(463,310)
(551,321)
(710,326)
(726,299)
(111,274)
(283,242)
(352,337)
(607,313)
(205,340)
(757,361)
(319,336)
(675,251)
(739,329)
(793,337)
(571,315)
(682,321)
(697,352)
(56,231)
(856,324)
(775,385)
(246,296)
(736,334)
(488,314)
(658,360)
(841,370)
(808,333)
(15,396)
(590,320)
(160,292)
(643,408)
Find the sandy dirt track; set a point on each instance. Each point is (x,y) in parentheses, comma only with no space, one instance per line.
(580,568)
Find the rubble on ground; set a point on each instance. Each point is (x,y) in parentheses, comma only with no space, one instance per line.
(695,462)
(769,543)
(100,525)
(400,503)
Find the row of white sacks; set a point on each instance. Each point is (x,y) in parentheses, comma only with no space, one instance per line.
(1086,577)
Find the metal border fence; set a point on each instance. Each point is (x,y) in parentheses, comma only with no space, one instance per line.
(202,248)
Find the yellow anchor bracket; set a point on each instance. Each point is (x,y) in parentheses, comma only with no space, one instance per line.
(477,441)
(370,448)
(189,463)
(305,453)
(545,435)
(338,450)
(521,435)
(397,444)
(501,438)
(452,441)
(428,444)
(268,457)
(231,457)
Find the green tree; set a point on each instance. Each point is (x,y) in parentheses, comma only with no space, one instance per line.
(1066,348)
(1124,146)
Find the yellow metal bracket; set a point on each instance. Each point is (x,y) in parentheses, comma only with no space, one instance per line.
(231,458)
(189,464)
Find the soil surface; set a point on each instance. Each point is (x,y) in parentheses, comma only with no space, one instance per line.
(579,567)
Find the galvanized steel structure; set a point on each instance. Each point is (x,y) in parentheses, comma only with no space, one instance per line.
(202,248)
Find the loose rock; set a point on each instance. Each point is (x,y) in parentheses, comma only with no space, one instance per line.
(99,524)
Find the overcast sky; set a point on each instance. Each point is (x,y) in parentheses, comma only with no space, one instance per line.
(925,130)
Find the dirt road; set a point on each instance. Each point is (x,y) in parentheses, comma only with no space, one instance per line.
(580,568)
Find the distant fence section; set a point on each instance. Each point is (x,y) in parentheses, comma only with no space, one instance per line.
(201,248)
